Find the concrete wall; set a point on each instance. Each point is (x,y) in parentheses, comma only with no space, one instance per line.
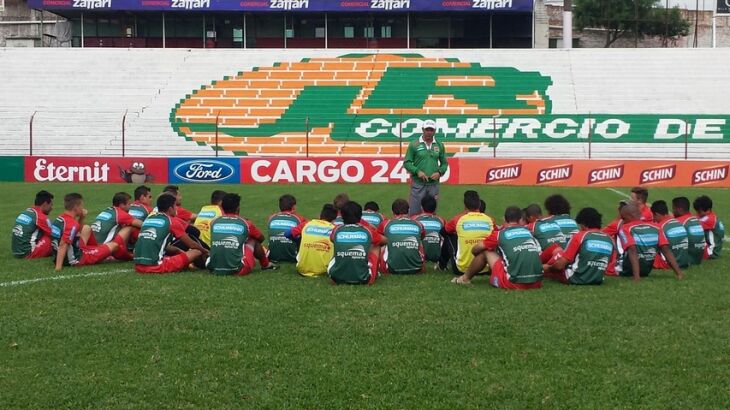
(21,27)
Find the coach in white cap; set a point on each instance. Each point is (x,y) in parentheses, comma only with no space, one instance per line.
(426,161)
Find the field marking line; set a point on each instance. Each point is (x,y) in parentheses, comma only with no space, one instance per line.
(616,191)
(60,277)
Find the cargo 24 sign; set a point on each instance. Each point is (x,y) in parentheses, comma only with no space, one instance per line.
(362,104)
(598,173)
(332,170)
(85,169)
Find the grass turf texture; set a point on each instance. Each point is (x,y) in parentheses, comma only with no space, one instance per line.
(276,340)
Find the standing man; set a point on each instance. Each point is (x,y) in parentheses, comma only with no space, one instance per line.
(426,161)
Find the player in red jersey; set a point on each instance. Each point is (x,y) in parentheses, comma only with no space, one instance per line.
(71,236)
(641,195)
(32,230)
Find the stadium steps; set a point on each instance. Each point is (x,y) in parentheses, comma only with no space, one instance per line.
(80,97)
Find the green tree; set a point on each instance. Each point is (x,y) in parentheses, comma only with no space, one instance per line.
(637,18)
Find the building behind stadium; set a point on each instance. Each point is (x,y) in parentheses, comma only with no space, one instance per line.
(376,24)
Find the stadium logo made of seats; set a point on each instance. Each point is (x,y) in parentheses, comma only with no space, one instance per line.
(367,104)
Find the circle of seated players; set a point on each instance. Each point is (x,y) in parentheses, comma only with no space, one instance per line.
(353,245)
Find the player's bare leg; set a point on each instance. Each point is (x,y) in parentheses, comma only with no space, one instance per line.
(477,265)
(260,254)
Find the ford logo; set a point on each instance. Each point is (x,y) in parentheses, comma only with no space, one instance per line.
(204,171)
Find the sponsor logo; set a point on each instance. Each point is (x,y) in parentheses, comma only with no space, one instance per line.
(24,219)
(351,237)
(646,239)
(552,174)
(601,247)
(55,231)
(289,4)
(390,4)
(224,228)
(696,230)
(548,227)
(48,171)
(282,224)
(190,4)
(400,229)
(517,233)
(658,174)
(503,173)
(153,223)
(373,220)
(476,226)
(136,213)
(676,232)
(91,4)
(605,174)
(318,231)
(491,4)
(207,214)
(204,171)
(431,225)
(104,216)
(566,223)
(709,175)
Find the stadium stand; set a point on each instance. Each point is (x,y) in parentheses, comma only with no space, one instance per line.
(172,98)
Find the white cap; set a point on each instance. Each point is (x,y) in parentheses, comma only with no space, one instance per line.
(429,124)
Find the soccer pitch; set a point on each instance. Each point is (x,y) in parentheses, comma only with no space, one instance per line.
(106,337)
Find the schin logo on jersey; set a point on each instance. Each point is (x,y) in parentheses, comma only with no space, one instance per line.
(289,4)
(390,4)
(658,174)
(92,4)
(204,171)
(190,4)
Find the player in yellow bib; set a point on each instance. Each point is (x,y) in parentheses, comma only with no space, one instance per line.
(465,230)
(207,214)
(315,246)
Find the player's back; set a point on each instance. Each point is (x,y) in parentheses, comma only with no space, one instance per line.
(25,231)
(206,215)
(643,235)
(404,252)
(432,242)
(695,237)
(349,264)
(154,236)
(471,229)
(281,248)
(139,211)
(373,218)
(521,254)
(106,225)
(567,225)
(594,256)
(228,236)
(548,233)
(678,239)
(315,248)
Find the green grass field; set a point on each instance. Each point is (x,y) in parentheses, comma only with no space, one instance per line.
(116,339)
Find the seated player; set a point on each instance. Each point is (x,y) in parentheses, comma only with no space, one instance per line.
(640,195)
(112,225)
(157,233)
(315,246)
(371,214)
(356,249)
(587,255)
(546,231)
(32,230)
(182,213)
(695,231)
(676,235)
(71,237)
(340,201)
(281,248)
(464,231)
(512,253)
(432,224)
(207,214)
(142,205)
(404,253)
(638,244)
(235,241)
(558,209)
(714,229)
(614,226)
